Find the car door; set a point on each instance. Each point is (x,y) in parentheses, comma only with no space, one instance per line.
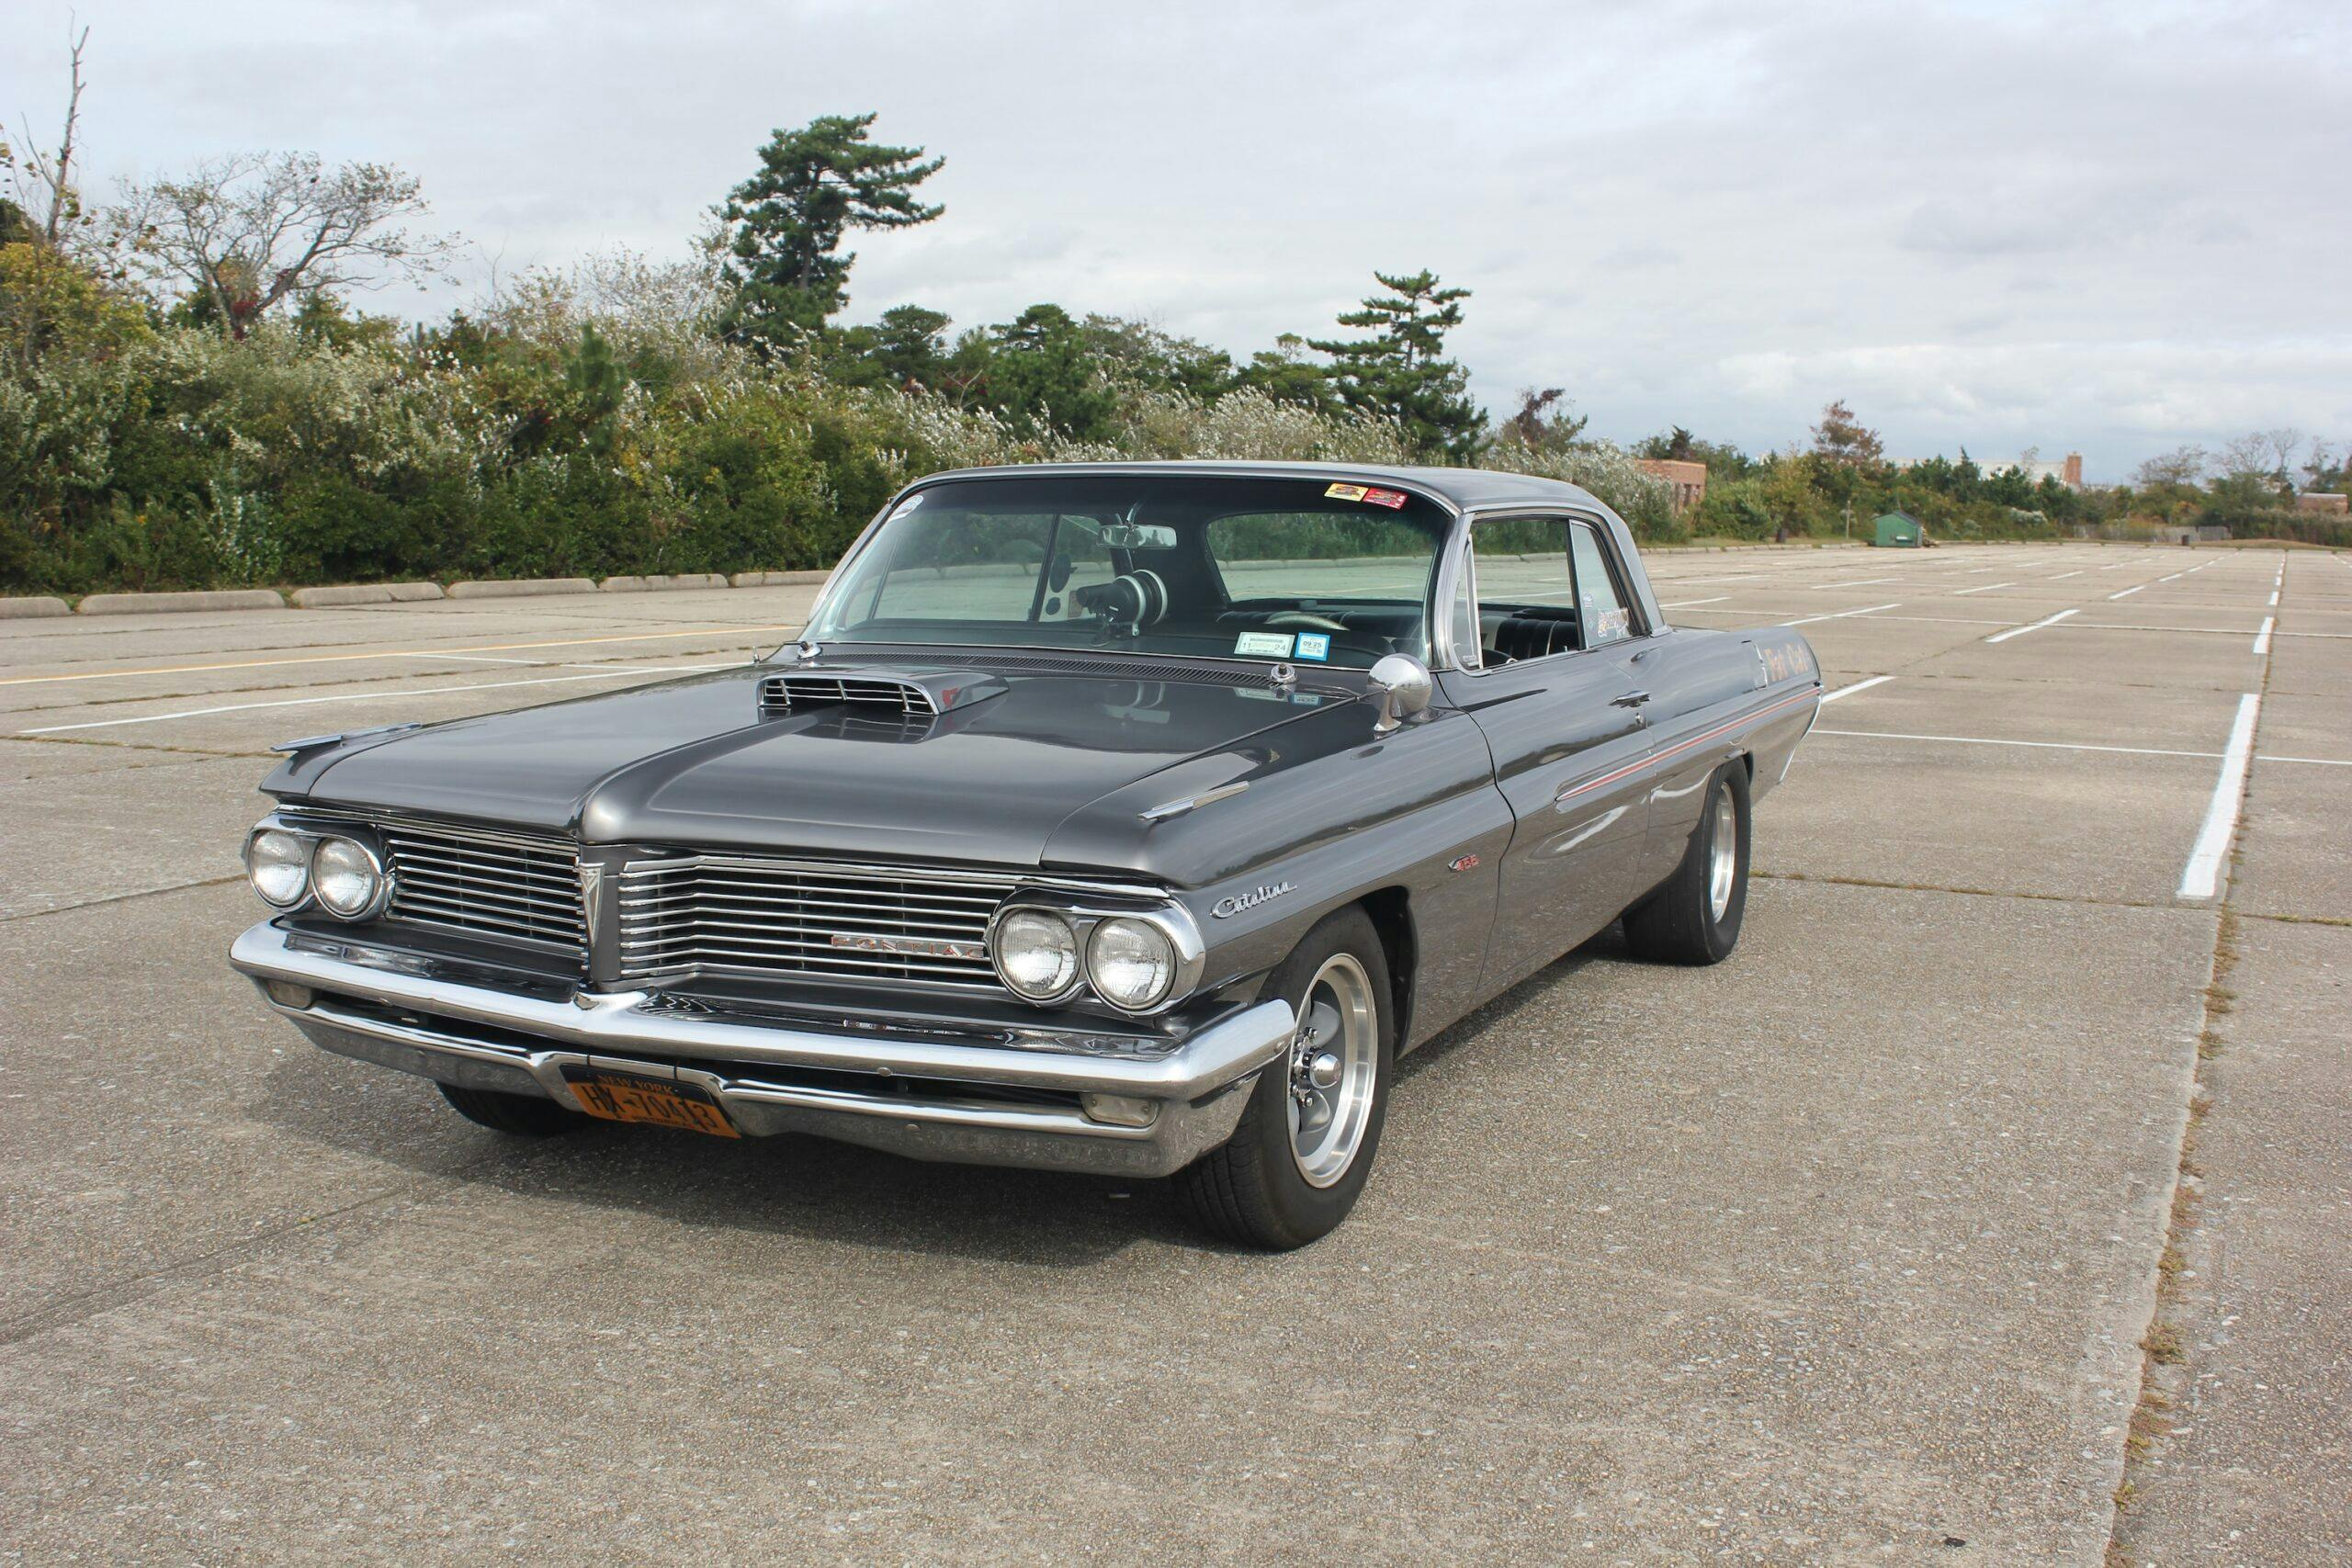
(1552,692)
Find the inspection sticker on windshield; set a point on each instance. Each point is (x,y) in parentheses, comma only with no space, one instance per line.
(1316,645)
(1391,499)
(1263,644)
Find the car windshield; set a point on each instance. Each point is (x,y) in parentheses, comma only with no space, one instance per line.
(1323,571)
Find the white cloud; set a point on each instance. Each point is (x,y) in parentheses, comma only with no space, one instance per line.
(2107,226)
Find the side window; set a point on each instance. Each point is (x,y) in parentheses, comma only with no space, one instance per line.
(1601,606)
(1527,599)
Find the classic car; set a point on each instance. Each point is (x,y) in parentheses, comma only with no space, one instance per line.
(1126,818)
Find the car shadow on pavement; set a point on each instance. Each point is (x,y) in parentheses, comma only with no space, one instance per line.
(787,1187)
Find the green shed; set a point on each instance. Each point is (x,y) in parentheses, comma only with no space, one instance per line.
(1898,528)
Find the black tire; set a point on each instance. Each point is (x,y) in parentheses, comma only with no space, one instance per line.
(1677,924)
(523,1116)
(1252,1189)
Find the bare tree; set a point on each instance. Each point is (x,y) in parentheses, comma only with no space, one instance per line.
(2247,458)
(2181,466)
(2281,445)
(246,233)
(1546,421)
(41,183)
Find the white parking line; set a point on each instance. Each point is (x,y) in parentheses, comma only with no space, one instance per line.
(1857,582)
(2262,638)
(2174,578)
(2274,598)
(2029,744)
(396,653)
(2202,875)
(1839,615)
(2128,593)
(2072,746)
(1856,686)
(1686,604)
(1981,587)
(2064,575)
(306,702)
(2118,566)
(2020,631)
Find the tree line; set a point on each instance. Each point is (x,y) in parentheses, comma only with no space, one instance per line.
(191,393)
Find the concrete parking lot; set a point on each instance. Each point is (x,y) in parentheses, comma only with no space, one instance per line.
(1842,1250)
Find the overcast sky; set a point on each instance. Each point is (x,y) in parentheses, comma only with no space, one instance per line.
(2107,228)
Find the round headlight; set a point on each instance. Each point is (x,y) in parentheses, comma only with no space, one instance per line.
(1131,964)
(279,865)
(346,878)
(1036,952)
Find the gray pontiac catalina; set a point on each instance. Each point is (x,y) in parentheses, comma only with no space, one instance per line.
(1119,819)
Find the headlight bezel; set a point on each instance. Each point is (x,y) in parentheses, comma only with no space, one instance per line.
(311,836)
(1084,917)
(380,889)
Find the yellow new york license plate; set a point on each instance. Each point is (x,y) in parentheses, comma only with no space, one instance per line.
(664,1102)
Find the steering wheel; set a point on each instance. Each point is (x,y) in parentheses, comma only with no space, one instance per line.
(1306,618)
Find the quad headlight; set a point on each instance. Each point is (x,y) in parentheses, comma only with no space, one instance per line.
(1131,964)
(279,865)
(346,878)
(1037,954)
(1134,962)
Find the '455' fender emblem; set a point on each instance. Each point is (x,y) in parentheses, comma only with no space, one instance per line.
(1223,907)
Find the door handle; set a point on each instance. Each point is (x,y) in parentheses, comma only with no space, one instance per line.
(1629,700)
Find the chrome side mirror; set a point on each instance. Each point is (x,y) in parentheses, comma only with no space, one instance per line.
(1404,688)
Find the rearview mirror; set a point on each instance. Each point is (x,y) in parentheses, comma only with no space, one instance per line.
(1139,537)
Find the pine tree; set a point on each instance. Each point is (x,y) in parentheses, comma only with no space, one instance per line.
(785,225)
(1401,370)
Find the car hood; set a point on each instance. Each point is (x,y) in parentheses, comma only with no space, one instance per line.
(693,764)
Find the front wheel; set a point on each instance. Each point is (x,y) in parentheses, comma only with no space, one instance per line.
(1303,1149)
(1694,917)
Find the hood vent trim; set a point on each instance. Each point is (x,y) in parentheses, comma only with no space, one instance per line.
(911,694)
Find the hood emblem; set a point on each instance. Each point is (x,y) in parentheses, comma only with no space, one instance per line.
(1225,908)
(909,946)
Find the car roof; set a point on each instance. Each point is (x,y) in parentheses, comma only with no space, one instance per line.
(1462,488)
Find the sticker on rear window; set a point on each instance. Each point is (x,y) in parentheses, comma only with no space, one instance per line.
(1391,499)
(1345,492)
(1263,644)
(1314,645)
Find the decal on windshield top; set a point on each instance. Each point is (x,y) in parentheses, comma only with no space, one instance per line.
(1263,644)
(1391,499)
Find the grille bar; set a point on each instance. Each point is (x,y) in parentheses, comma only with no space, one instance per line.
(742,915)
(501,886)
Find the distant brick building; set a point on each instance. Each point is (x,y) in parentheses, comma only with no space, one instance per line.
(1688,480)
(2324,502)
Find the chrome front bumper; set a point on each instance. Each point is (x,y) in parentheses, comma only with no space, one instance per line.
(1018,1100)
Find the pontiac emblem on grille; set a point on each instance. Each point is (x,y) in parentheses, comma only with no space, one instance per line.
(910,947)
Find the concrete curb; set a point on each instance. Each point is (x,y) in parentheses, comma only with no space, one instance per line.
(363,593)
(32,608)
(662,583)
(521,587)
(157,604)
(776,578)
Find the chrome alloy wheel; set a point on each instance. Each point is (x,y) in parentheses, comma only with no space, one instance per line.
(1334,1058)
(1723,861)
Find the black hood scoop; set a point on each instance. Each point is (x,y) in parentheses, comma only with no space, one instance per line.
(905,695)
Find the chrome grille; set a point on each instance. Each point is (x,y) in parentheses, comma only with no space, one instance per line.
(745,914)
(785,694)
(501,885)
